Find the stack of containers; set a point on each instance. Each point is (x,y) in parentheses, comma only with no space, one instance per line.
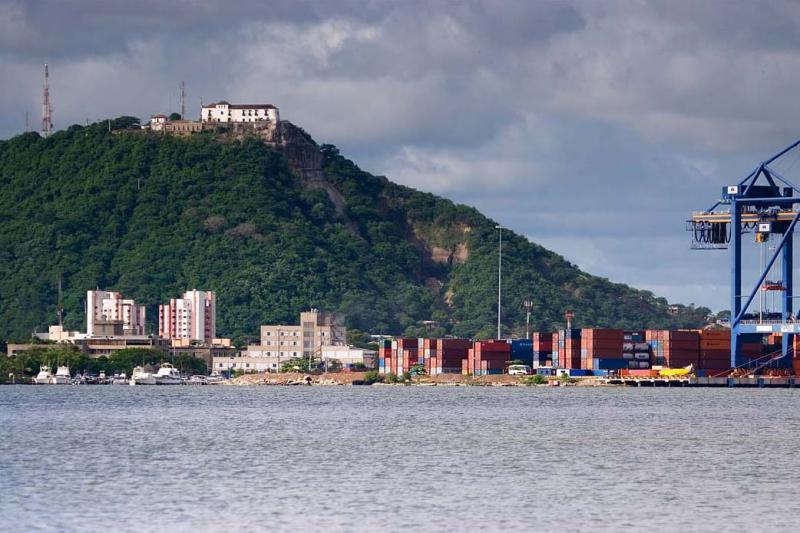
(569,348)
(522,350)
(715,349)
(681,348)
(429,355)
(449,355)
(405,354)
(384,355)
(655,340)
(633,336)
(488,357)
(673,349)
(599,346)
(542,345)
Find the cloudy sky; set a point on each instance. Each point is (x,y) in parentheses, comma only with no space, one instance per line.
(592,127)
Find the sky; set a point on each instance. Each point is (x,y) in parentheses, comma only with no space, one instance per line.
(594,128)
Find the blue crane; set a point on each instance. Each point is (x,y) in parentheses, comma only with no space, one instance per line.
(766,204)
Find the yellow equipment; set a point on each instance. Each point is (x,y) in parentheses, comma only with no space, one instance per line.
(673,372)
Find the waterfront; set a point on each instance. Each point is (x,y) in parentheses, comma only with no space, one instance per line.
(398,458)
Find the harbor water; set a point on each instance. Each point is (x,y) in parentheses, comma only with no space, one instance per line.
(398,459)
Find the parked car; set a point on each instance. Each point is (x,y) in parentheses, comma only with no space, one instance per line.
(519,370)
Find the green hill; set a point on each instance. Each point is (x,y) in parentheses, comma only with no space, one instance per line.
(274,230)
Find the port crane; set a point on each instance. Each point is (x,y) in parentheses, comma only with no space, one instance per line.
(767,205)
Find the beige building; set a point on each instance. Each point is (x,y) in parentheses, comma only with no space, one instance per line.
(316,329)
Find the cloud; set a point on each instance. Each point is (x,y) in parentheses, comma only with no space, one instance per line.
(592,127)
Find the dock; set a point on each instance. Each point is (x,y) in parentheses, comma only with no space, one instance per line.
(751,382)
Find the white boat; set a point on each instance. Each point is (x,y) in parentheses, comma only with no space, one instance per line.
(140,377)
(44,376)
(62,376)
(215,378)
(168,375)
(120,379)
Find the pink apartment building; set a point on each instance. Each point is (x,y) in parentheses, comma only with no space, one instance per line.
(192,317)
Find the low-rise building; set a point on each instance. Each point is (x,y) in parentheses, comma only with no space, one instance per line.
(349,356)
(316,329)
(226,112)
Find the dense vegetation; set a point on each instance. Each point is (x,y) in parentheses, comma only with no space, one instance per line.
(152,216)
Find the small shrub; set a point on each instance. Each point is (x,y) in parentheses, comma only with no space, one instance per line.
(390,378)
(372,377)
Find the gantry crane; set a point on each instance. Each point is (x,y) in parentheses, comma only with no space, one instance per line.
(768,205)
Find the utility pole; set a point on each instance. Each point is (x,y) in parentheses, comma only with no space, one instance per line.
(27,123)
(183,101)
(499,276)
(528,304)
(60,308)
(47,111)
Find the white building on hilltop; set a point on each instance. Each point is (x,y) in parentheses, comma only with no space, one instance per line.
(107,311)
(192,317)
(226,112)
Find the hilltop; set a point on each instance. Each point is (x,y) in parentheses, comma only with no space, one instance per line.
(274,228)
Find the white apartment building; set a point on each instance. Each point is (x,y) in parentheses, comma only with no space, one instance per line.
(192,316)
(104,309)
(227,112)
(316,329)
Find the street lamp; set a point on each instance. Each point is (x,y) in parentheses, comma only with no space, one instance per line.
(527,304)
(499,275)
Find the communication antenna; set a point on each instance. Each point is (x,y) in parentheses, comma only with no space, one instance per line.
(27,123)
(183,101)
(47,111)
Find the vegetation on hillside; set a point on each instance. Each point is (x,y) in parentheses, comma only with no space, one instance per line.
(153,216)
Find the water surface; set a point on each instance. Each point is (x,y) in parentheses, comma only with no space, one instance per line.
(398,459)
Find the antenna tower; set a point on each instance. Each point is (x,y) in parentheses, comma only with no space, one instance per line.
(47,111)
(183,101)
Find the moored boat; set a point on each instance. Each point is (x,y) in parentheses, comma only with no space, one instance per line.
(44,376)
(62,376)
(140,377)
(168,375)
(215,378)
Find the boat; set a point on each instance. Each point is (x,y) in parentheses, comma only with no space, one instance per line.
(198,379)
(120,379)
(140,377)
(215,378)
(168,375)
(44,376)
(676,372)
(62,376)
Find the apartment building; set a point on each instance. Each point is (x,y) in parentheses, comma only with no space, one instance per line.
(109,314)
(316,329)
(193,317)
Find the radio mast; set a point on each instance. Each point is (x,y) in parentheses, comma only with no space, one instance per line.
(183,101)
(47,111)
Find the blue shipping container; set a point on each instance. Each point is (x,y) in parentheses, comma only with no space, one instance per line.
(609,364)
